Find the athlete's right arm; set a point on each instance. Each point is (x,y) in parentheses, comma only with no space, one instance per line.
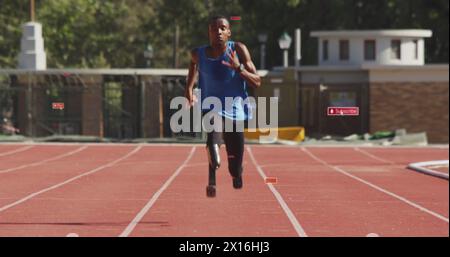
(192,77)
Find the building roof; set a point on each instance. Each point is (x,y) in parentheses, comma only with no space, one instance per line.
(415,33)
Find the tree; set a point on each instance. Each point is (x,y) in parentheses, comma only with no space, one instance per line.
(101,33)
(12,15)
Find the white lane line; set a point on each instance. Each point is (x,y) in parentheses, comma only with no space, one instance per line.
(16,151)
(298,228)
(373,156)
(414,166)
(155,197)
(415,205)
(44,161)
(70,180)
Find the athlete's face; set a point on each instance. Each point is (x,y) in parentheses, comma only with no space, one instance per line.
(219,32)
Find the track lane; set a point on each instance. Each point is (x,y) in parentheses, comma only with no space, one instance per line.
(6,150)
(184,210)
(427,191)
(16,185)
(101,204)
(36,154)
(330,204)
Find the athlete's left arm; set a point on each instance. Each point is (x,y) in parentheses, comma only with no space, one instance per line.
(249,74)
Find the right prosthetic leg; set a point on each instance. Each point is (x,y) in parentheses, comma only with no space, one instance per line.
(214,164)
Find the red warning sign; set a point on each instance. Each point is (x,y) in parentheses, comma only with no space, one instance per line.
(58,106)
(343,111)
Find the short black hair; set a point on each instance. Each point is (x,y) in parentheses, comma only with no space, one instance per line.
(217,17)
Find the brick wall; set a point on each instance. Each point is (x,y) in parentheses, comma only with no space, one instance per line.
(92,108)
(130,104)
(152,108)
(32,105)
(417,107)
(22,110)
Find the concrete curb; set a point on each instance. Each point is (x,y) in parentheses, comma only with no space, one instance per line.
(420,167)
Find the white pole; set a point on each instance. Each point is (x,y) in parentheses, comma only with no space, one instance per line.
(285,59)
(263,57)
(298,49)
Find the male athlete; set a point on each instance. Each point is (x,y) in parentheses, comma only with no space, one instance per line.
(225,70)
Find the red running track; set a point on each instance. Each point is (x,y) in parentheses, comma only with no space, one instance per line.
(159,190)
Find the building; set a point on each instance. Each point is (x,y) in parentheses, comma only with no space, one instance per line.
(382,72)
(372,47)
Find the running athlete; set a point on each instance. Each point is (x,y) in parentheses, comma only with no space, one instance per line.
(225,69)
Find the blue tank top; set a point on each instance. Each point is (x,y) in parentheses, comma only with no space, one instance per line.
(218,80)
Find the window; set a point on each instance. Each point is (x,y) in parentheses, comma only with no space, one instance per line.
(325,50)
(416,49)
(369,50)
(396,52)
(343,99)
(344,50)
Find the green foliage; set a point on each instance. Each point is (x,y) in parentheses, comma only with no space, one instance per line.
(102,34)
(12,15)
